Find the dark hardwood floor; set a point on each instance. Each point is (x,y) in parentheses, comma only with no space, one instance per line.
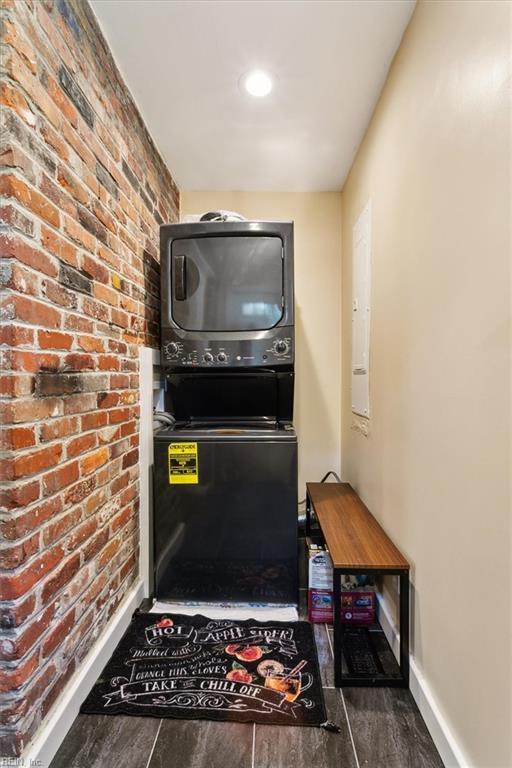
(380,728)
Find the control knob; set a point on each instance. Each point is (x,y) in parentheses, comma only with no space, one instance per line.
(208,357)
(171,348)
(221,357)
(281,347)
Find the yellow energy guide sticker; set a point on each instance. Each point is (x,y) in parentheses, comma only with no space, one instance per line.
(183,464)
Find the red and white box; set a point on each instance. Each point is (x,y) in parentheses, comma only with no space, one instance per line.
(358,603)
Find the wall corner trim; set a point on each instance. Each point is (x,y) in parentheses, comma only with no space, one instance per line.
(451,753)
(42,749)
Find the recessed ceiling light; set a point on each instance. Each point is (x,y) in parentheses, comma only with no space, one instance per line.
(257,83)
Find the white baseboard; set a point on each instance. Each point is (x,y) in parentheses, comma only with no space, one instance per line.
(442,736)
(42,749)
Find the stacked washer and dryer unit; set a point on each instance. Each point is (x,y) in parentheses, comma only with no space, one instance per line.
(225,473)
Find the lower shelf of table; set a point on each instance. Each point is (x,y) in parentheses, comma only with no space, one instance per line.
(367,657)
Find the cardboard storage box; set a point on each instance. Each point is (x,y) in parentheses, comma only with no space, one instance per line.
(358,602)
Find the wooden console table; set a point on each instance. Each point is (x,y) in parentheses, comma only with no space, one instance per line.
(358,545)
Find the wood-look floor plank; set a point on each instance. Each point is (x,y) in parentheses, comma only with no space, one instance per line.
(203,744)
(295,747)
(389,730)
(96,741)
(323,650)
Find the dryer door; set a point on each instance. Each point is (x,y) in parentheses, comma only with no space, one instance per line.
(227,283)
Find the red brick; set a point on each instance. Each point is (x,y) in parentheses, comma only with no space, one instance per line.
(108,553)
(16,335)
(128,567)
(104,294)
(77,323)
(60,478)
(109,435)
(15,438)
(15,527)
(107,399)
(118,415)
(94,501)
(104,216)
(16,248)
(128,494)
(30,464)
(78,362)
(94,420)
(81,444)
(59,295)
(120,520)
(95,309)
(57,687)
(11,186)
(56,529)
(81,490)
(79,403)
(90,343)
(12,616)
(60,98)
(120,318)
(34,312)
(78,145)
(16,584)
(72,185)
(54,140)
(59,247)
(18,496)
(19,279)
(15,219)
(61,577)
(119,381)
(56,428)
(82,533)
(119,483)
(93,461)
(54,340)
(15,67)
(30,410)
(17,646)
(12,679)
(57,195)
(15,555)
(130,458)
(21,360)
(15,158)
(59,631)
(95,544)
(11,35)
(15,385)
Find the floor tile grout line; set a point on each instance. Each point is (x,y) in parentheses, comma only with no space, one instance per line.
(343,702)
(253,744)
(154,743)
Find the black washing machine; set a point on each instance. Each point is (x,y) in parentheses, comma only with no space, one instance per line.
(225,526)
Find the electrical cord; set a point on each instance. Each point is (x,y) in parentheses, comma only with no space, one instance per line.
(324,478)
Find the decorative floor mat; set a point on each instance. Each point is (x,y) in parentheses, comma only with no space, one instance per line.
(193,667)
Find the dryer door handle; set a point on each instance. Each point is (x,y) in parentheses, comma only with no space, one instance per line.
(180,278)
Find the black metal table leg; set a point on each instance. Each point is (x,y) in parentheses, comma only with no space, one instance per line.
(404,627)
(338,640)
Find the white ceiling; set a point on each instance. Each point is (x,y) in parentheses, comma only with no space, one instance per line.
(182,61)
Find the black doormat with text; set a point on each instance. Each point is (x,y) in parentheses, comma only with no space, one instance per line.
(193,667)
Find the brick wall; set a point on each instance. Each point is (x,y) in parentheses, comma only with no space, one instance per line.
(83,193)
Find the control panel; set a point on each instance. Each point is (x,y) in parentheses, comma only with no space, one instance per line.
(278,350)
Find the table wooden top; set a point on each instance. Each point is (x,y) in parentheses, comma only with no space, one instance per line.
(354,537)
